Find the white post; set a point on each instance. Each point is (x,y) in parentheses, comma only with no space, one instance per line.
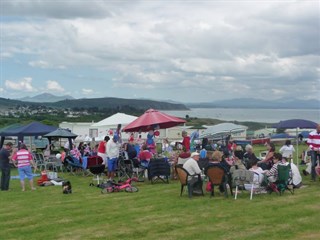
(297,145)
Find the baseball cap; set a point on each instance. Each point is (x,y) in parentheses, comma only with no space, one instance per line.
(195,154)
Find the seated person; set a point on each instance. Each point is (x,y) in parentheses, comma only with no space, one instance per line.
(144,156)
(296,176)
(238,164)
(259,177)
(192,167)
(216,160)
(266,163)
(203,153)
(238,153)
(130,150)
(272,174)
(249,156)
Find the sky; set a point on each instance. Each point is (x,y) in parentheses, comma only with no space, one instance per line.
(184,51)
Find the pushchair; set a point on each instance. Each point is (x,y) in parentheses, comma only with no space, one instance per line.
(95,166)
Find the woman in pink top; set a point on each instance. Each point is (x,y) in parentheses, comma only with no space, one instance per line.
(23,160)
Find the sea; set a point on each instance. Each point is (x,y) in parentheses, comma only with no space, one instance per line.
(249,114)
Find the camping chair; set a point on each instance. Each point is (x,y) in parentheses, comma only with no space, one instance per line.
(125,168)
(284,179)
(57,164)
(245,179)
(73,165)
(183,177)
(217,177)
(39,161)
(158,170)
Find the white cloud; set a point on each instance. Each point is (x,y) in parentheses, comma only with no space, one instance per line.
(87,91)
(40,64)
(228,45)
(23,85)
(54,86)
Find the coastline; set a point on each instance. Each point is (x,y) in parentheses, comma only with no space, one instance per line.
(258,115)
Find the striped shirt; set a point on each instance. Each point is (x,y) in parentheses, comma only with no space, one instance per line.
(314,140)
(23,157)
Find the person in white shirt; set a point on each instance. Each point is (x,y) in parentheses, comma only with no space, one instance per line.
(113,148)
(192,167)
(259,176)
(287,150)
(296,176)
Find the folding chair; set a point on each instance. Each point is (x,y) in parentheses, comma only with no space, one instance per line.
(284,179)
(217,177)
(183,177)
(39,161)
(159,170)
(244,178)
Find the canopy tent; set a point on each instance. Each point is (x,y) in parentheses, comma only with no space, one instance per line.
(221,130)
(118,118)
(31,129)
(296,123)
(61,133)
(281,136)
(153,119)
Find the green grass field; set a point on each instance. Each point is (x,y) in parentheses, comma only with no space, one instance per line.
(156,212)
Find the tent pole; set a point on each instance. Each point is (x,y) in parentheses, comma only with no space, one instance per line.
(297,144)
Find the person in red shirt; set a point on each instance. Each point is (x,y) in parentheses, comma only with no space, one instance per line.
(23,160)
(186,140)
(144,156)
(102,149)
(314,146)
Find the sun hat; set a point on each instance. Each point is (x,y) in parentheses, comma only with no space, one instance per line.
(195,154)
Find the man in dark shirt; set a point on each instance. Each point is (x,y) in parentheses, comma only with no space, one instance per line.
(5,166)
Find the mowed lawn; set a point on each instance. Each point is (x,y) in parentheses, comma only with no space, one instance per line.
(156,212)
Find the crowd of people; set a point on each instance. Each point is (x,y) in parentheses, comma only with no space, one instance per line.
(186,153)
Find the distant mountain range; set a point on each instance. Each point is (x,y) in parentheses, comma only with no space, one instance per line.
(119,104)
(45,97)
(67,101)
(258,103)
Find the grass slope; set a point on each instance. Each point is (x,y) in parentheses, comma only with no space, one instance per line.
(156,212)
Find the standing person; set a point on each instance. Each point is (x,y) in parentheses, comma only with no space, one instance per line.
(186,140)
(5,166)
(102,149)
(113,148)
(118,133)
(314,146)
(287,150)
(23,160)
